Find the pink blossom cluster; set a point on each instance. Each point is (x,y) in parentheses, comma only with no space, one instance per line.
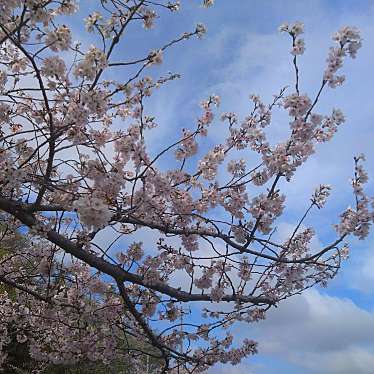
(349,42)
(321,194)
(59,39)
(295,30)
(208,166)
(94,60)
(266,209)
(357,221)
(93,212)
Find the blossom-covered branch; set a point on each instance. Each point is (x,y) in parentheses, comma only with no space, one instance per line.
(80,184)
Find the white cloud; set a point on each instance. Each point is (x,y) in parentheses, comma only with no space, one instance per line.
(317,332)
(239,369)
(347,361)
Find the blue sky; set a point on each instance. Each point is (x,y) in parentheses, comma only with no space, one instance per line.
(324,330)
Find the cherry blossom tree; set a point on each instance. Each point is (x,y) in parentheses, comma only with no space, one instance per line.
(76,166)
